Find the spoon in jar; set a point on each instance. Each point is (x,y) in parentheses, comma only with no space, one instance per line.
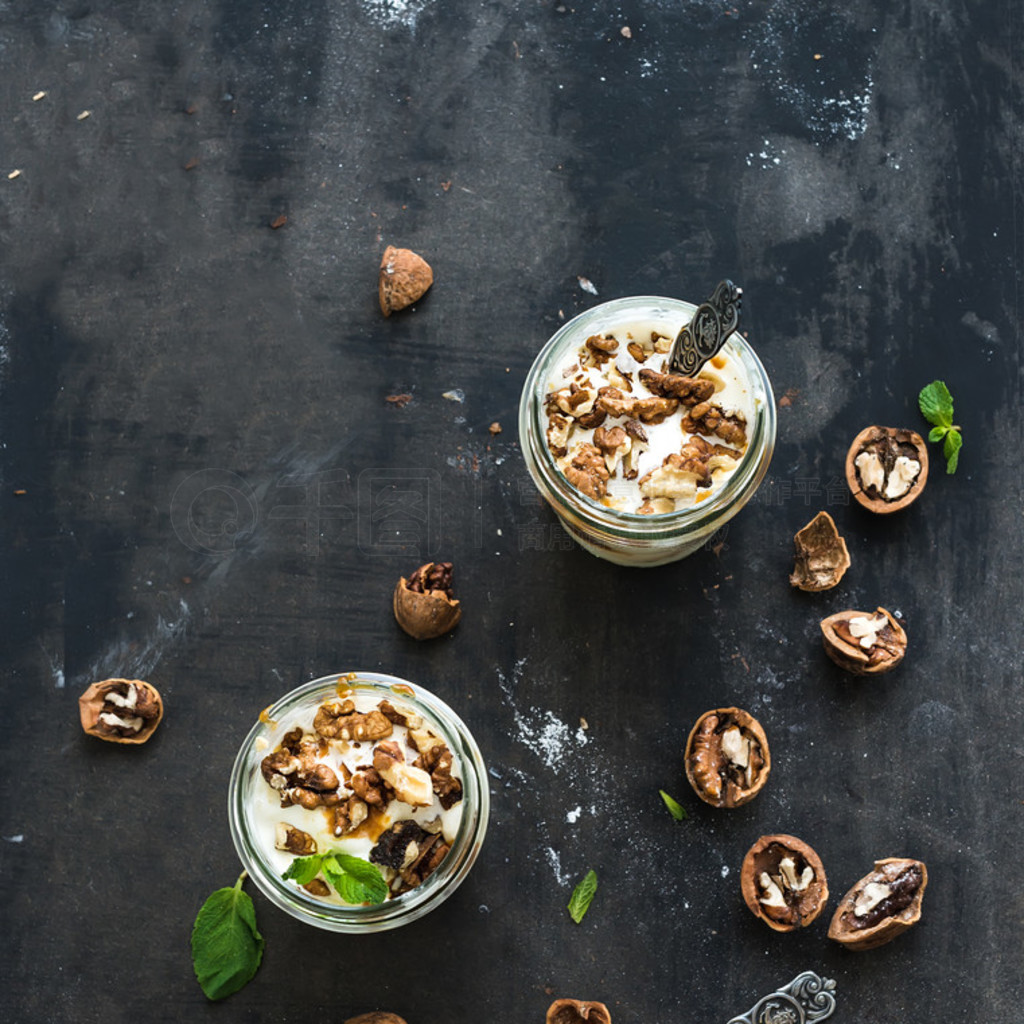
(709,330)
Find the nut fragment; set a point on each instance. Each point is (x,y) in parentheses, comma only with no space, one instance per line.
(727,759)
(574,1011)
(293,840)
(783,882)
(423,603)
(886,468)
(821,555)
(404,277)
(883,904)
(121,710)
(864,643)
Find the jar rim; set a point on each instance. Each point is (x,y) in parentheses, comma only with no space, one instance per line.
(625,525)
(397,910)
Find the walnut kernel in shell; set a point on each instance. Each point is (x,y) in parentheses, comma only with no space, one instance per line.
(121,710)
(577,1011)
(883,904)
(423,604)
(863,643)
(727,759)
(886,468)
(783,882)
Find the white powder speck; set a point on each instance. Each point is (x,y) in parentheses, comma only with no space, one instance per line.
(574,815)
(14,839)
(725,870)
(587,285)
(455,395)
(390,13)
(556,865)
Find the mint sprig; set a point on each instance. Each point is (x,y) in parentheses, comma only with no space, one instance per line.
(226,946)
(353,879)
(675,808)
(582,896)
(936,404)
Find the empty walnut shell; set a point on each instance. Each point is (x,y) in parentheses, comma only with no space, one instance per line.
(727,759)
(821,555)
(783,882)
(376,1017)
(883,904)
(863,643)
(886,468)
(575,1011)
(424,605)
(404,277)
(121,710)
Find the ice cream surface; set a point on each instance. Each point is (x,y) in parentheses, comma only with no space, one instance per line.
(628,434)
(359,774)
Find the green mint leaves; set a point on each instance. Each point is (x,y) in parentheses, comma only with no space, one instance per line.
(675,808)
(582,896)
(354,880)
(226,947)
(937,408)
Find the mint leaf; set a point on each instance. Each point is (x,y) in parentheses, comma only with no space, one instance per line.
(304,869)
(226,947)
(582,896)
(355,880)
(937,433)
(674,807)
(951,449)
(936,404)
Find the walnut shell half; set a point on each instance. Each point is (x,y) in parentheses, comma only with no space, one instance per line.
(404,277)
(423,603)
(376,1017)
(727,759)
(886,468)
(863,643)
(783,882)
(821,555)
(576,1011)
(121,710)
(883,904)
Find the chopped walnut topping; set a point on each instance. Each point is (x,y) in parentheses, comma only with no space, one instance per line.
(656,506)
(672,479)
(708,418)
(600,350)
(294,840)
(558,433)
(638,352)
(412,785)
(688,390)
(298,777)
(654,410)
(350,815)
(368,785)
(615,444)
(587,471)
(615,403)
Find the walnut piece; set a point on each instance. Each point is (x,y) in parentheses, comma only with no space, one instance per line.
(293,840)
(886,468)
(821,555)
(864,643)
(727,758)
(404,277)
(688,390)
(340,721)
(783,882)
(121,710)
(708,418)
(423,604)
(577,1011)
(376,1017)
(412,785)
(587,471)
(294,772)
(883,904)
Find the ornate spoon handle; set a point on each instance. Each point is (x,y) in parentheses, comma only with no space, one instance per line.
(806,999)
(704,336)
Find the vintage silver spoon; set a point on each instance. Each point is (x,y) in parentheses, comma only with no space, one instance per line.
(806,999)
(704,336)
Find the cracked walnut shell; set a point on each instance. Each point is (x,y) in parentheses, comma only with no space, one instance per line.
(727,759)
(783,882)
(821,555)
(423,603)
(376,1017)
(886,468)
(883,904)
(862,643)
(404,277)
(121,710)
(577,1011)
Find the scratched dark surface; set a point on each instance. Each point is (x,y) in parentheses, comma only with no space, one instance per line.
(202,483)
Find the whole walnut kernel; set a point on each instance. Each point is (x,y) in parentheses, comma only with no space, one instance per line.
(577,1011)
(121,710)
(783,882)
(423,604)
(404,277)
(727,759)
(863,643)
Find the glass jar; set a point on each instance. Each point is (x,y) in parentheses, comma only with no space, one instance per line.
(266,735)
(631,538)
